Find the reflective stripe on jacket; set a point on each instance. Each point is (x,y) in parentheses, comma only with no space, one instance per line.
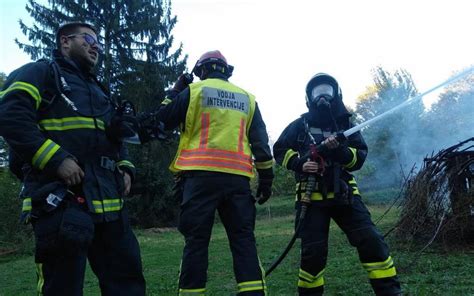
(43,134)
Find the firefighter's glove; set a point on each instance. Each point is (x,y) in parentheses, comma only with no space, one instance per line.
(122,127)
(297,163)
(264,190)
(182,82)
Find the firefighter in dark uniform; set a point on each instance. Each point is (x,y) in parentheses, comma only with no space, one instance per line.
(223,137)
(336,194)
(53,115)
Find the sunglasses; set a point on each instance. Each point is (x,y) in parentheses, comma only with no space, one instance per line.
(88,38)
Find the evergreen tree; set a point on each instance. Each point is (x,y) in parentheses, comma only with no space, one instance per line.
(450,119)
(3,144)
(137,64)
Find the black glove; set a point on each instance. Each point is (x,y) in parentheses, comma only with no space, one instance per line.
(264,190)
(297,162)
(121,127)
(182,82)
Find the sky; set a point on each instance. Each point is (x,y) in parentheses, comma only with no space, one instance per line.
(276,46)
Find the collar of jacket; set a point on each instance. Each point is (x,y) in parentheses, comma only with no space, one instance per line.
(217,75)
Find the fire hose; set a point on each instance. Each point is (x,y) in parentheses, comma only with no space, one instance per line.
(305,203)
(315,156)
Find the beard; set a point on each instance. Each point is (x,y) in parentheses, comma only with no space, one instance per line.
(82,59)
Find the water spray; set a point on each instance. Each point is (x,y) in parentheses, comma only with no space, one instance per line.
(311,182)
(357,128)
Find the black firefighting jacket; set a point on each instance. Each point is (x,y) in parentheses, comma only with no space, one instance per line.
(294,143)
(43,129)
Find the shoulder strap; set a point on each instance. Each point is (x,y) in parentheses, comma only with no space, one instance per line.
(48,96)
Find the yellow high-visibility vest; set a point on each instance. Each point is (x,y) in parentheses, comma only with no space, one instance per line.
(215,136)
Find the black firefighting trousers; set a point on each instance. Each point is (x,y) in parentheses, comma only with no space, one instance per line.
(355,221)
(204,192)
(113,254)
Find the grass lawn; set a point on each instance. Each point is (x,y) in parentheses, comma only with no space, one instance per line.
(434,273)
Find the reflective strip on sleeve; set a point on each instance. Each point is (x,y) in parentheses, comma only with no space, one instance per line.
(107,205)
(288,155)
(353,160)
(69,123)
(125,163)
(192,292)
(307,280)
(166,101)
(264,164)
(251,286)
(29,88)
(26,204)
(44,154)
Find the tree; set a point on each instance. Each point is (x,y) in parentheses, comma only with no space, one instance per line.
(450,119)
(12,233)
(137,64)
(390,140)
(3,144)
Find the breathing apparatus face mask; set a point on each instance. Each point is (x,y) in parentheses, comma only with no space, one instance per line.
(322,96)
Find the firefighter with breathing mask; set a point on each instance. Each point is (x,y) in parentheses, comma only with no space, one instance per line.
(335,194)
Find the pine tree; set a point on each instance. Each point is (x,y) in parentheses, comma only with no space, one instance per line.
(3,144)
(137,64)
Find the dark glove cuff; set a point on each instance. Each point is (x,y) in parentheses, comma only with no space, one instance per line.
(293,164)
(265,174)
(129,171)
(297,162)
(343,154)
(171,93)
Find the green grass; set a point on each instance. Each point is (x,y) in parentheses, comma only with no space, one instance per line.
(434,273)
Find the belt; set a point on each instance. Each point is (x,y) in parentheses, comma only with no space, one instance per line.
(108,163)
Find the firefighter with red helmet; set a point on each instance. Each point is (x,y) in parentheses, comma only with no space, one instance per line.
(223,139)
(336,195)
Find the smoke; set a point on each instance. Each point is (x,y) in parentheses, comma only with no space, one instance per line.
(400,142)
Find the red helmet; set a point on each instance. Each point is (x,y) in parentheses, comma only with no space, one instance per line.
(213,57)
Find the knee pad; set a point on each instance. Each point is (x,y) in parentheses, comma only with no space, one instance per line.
(315,251)
(363,236)
(370,244)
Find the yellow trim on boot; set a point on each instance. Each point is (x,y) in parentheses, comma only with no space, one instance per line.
(192,292)
(383,269)
(307,280)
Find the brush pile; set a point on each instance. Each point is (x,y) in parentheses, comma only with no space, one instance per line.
(439,200)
